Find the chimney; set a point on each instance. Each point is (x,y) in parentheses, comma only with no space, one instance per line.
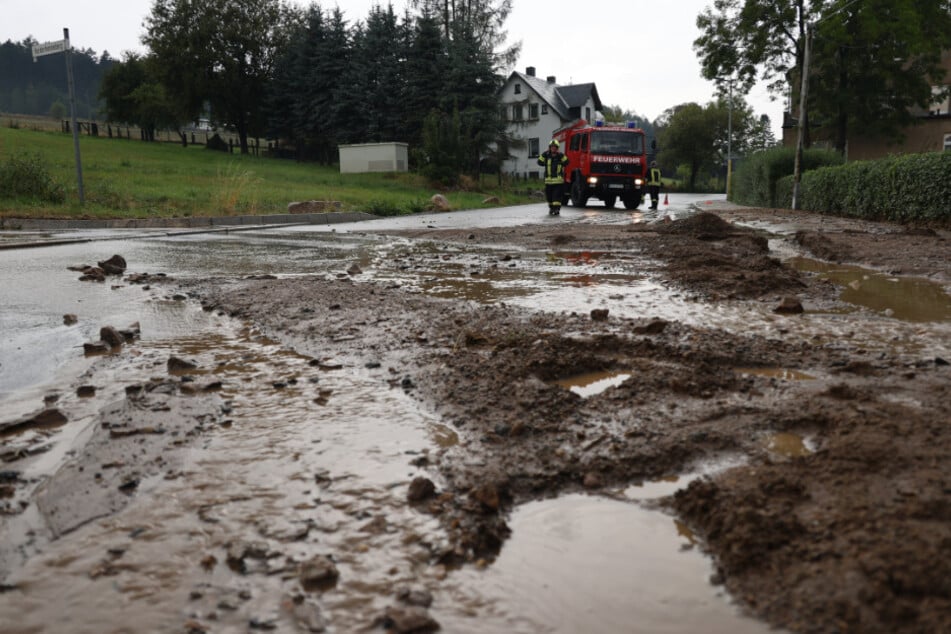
(551,79)
(530,71)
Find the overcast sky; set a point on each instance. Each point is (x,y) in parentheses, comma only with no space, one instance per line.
(639,53)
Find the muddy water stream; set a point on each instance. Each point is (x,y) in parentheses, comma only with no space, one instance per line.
(316,458)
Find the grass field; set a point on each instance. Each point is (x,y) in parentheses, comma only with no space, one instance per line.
(131,179)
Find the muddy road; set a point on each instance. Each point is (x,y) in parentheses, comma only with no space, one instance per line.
(722,421)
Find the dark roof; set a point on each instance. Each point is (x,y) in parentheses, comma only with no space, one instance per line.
(561,98)
(578,94)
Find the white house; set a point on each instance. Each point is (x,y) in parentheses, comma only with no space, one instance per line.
(534,108)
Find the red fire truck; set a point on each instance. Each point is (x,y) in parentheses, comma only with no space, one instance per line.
(606,161)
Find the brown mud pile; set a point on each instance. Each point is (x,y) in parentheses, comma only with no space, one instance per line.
(849,535)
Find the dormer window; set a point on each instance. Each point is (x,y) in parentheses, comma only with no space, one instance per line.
(518,89)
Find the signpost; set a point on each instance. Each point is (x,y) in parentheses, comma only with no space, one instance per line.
(62,46)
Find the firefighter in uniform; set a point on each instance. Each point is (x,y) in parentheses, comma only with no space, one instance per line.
(555,164)
(653,184)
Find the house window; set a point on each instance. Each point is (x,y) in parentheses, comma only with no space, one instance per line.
(587,114)
(544,108)
(947,143)
(503,114)
(533,111)
(518,89)
(517,114)
(533,148)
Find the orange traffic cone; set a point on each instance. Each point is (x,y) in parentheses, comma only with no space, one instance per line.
(665,200)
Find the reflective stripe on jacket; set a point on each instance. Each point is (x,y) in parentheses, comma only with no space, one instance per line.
(654,177)
(554,167)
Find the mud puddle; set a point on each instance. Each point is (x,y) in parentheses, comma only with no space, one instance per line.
(590,564)
(904,298)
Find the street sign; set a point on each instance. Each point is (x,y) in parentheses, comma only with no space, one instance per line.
(48,48)
(62,46)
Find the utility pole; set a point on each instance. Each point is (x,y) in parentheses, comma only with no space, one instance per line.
(807,47)
(729,141)
(797,169)
(72,115)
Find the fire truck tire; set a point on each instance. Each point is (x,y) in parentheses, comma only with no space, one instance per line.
(632,203)
(609,202)
(578,197)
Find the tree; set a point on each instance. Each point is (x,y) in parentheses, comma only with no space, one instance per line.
(473,37)
(378,55)
(875,61)
(221,52)
(426,68)
(692,135)
(133,96)
(621,115)
(872,59)
(28,87)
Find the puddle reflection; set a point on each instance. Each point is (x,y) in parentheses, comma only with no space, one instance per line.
(592,383)
(789,445)
(905,298)
(590,564)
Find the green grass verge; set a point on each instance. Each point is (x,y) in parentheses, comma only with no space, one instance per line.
(132,179)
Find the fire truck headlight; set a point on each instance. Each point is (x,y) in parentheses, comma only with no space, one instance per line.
(592,180)
(638,182)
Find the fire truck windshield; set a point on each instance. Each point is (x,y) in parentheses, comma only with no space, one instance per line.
(617,142)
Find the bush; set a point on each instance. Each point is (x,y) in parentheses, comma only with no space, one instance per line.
(384,208)
(906,188)
(755,181)
(28,177)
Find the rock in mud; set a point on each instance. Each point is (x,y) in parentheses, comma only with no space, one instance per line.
(407,619)
(415,596)
(653,327)
(593,481)
(789,305)
(45,418)
(318,570)
(599,314)
(115,265)
(96,347)
(306,614)
(93,274)
(177,364)
(488,497)
(69,319)
(86,391)
(111,336)
(421,489)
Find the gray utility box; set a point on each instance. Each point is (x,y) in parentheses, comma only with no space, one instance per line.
(374,157)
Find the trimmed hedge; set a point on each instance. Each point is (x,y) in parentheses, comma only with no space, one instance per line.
(906,188)
(755,181)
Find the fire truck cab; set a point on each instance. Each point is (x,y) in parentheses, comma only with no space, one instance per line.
(606,161)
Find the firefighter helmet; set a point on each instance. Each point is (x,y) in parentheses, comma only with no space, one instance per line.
(553,142)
